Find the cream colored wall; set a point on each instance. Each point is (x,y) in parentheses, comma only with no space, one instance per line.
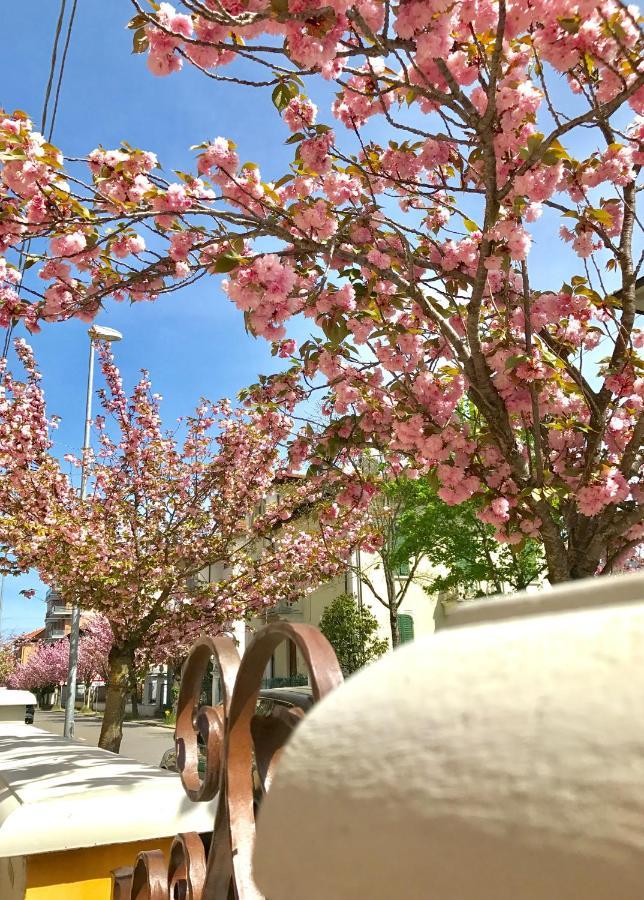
(311,607)
(416,603)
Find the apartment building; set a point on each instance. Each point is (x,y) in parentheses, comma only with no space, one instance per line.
(58,616)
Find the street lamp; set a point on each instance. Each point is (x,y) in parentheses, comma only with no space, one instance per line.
(96,333)
(639,295)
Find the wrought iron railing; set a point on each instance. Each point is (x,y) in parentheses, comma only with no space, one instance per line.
(218,866)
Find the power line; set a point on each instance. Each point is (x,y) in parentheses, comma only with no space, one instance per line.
(52,64)
(61,72)
(50,82)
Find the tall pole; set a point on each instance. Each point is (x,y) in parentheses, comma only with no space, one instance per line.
(74,635)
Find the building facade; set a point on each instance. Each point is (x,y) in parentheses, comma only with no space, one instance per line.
(416,615)
(58,616)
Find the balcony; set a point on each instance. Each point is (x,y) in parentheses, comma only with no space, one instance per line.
(292,612)
(56,635)
(58,611)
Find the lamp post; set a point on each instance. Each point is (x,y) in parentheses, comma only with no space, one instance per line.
(639,295)
(96,333)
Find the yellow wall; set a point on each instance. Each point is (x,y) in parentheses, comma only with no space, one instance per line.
(25,652)
(83,874)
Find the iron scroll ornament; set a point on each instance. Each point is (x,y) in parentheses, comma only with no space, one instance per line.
(232,734)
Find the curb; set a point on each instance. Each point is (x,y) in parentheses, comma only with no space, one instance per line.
(154,722)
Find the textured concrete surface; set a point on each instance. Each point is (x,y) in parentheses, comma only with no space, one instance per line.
(487,762)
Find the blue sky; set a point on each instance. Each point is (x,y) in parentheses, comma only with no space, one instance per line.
(193,342)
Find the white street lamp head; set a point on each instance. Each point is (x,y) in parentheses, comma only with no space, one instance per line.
(103,333)
(639,295)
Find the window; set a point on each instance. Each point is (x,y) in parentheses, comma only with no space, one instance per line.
(405,627)
(403,570)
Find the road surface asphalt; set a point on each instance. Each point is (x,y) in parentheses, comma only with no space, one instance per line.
(141,741)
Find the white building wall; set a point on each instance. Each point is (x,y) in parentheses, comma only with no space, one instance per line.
(417,603)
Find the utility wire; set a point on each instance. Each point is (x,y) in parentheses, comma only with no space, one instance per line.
(52,65)
(61,72)
(24,253)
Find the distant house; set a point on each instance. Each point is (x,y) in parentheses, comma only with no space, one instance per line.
(25,644)
(58,620)
(58,616)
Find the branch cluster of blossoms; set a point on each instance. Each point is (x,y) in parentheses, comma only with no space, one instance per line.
(163,508)
(45,667)
(411,258)
(48,664)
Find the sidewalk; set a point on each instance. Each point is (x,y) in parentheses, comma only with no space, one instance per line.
(145,740)
(159,723)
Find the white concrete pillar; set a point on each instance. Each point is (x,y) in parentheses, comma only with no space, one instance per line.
(491,761)
(238,631)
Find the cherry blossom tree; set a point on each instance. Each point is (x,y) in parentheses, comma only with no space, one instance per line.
(96,639)
(467,132)
(7,663)
(160,509)
(46,668)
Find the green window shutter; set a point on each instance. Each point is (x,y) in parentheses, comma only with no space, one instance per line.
(404,569)
(405,627)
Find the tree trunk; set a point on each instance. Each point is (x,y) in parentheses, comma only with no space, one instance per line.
(393,624)
(169,701)
(118,685)
(86,698)
(134,692)
(392,602)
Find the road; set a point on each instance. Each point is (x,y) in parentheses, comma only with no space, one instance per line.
(143,742)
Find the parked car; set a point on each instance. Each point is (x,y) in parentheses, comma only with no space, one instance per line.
(277,709)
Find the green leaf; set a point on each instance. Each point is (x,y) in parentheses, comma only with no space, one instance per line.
(571,25)
(335,330)
(283,180)
(270,193)
(281,96)
(140,41)
(555,152)
(534,142)
(513,361)
(226,263)
(600,215)
(470,225)
(294,138)
(137,21)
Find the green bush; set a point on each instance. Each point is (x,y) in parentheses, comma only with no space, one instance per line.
(352,632)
